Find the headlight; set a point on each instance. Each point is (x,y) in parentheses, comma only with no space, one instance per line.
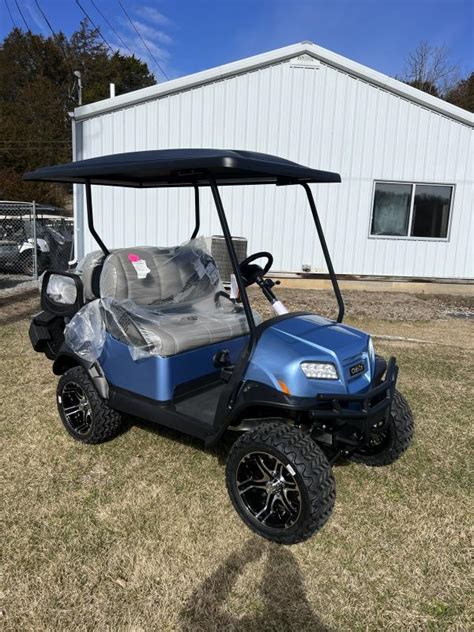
(319,370)
(371,351)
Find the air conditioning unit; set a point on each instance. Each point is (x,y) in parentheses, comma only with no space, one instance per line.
(221,255)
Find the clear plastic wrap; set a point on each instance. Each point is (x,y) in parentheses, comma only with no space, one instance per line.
(61,289)
(171,329)
(156,276)
(85,332)
(88,268)
(158,301)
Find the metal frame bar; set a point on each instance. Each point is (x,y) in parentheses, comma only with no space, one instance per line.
(197,212)
(327,256)
(233,257)
(230,245)
(90,219)
(35,241)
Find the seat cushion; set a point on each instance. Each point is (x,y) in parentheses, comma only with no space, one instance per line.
(149,331)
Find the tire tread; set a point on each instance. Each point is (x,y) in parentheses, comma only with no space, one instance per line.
(106,422)
(306,457)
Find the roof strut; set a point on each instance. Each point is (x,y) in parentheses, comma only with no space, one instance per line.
(196,212)
(90,219)
(322,239)
(233,257)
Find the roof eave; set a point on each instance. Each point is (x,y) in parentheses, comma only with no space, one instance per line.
(275,56)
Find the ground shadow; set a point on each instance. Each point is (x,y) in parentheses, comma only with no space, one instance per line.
(281,602)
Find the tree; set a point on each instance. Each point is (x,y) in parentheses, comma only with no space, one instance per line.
(37,90)
(430,69)
(462,94)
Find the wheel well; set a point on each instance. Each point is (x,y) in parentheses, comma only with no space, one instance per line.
(63,363)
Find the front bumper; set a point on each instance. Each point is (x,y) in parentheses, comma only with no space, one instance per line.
(350,418)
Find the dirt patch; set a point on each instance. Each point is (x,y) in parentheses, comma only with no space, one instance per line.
(368,305)
(19,306)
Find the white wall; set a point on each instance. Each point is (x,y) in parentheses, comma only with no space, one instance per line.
(320,117)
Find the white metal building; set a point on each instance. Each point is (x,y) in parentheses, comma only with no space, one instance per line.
(406,203)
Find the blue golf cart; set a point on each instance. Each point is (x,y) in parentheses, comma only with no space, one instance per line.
(151,332)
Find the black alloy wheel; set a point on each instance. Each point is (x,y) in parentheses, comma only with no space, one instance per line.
(85,415)
(269,490)
(76,408)
(280,482)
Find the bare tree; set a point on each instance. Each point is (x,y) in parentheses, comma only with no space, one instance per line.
(429,68)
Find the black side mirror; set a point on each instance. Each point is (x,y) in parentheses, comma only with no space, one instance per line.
(61,293)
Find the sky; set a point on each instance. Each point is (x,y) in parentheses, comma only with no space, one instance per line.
(186,36)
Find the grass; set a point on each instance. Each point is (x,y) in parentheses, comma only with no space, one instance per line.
(139,534)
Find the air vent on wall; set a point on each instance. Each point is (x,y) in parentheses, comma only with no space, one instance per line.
(305,61)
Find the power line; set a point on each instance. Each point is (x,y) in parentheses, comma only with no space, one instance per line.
(144,42)
(96,27)
(45,18)
(10,13)
(51,29)
(28,30)
(111,27)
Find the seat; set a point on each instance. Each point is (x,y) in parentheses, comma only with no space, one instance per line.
(164,301)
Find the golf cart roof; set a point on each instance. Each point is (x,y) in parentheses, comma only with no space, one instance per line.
(183,167)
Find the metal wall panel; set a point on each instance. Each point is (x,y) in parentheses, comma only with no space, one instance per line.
(321,117)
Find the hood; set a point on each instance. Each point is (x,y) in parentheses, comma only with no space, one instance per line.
(285,344)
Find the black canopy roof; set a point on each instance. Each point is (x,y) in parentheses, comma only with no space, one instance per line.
(182,167)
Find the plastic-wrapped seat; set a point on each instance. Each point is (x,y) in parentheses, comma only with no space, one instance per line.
(164,301)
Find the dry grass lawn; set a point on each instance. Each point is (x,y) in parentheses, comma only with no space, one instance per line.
(139,534)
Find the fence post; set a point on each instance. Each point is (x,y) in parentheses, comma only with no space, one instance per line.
(35,245)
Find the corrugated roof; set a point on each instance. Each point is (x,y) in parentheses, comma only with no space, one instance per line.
(272,57)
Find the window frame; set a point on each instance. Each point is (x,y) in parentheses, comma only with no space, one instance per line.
(413,185)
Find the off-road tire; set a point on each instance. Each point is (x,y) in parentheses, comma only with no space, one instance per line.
(399,436)
(313,475)
(106,423)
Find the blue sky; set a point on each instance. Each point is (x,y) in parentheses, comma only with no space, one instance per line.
(191,35)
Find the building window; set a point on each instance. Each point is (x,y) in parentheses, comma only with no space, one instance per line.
(411,210)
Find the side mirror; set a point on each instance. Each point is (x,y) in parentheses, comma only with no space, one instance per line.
(61,293)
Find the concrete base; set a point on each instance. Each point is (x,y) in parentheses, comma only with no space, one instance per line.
(377,285)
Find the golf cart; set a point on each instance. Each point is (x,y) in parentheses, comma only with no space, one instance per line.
(20,233)
(151,332)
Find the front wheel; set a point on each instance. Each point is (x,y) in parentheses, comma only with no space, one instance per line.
(86,416)
(388,441)
(280,483)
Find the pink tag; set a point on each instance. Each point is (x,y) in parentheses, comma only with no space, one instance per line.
(133,258)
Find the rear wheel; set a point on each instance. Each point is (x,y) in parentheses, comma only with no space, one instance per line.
(84,414)
(280,483)
(388,441)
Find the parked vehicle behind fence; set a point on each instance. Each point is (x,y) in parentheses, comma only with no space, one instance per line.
(34,238)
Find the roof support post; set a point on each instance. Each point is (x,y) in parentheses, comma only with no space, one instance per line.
(327,257)
(197,213)
(233,256)
(90,219)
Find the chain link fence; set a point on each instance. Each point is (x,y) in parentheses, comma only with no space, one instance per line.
(33,238)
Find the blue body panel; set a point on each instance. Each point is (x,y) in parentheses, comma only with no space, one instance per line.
(277,357)
(284,345)
(157,377)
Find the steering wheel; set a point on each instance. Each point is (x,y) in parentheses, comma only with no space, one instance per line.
(251,273)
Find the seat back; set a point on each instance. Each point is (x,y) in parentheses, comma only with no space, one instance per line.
(89,270)
(151,275)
